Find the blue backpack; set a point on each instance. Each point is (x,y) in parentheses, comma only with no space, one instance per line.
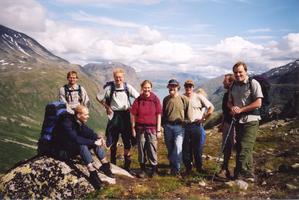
(53,112)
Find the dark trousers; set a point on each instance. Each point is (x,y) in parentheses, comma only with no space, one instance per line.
(193,146)
(245,140)
(72,150)
(119,125)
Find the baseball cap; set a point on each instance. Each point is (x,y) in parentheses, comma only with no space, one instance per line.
(173,82)
(189,82)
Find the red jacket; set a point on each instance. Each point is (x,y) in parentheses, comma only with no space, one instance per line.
(145,109)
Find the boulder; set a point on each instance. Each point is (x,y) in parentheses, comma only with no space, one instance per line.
(45,177)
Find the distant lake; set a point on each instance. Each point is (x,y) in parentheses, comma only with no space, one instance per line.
(161,92)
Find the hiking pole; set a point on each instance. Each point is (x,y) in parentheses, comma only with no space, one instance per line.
(224,144)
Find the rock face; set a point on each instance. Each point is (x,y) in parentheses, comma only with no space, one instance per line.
(45,177)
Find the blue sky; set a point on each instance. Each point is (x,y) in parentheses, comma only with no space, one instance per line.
(201,36)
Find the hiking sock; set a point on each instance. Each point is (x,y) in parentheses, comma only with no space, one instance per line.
(106,168)
(95,180)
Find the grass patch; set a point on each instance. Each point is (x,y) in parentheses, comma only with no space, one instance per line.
(12,153)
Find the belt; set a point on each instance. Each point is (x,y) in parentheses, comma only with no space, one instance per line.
(174,123)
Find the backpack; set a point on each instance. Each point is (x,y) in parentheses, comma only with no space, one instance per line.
(68,93)
(263,111)
(53,112)
(112,90)
(265,85)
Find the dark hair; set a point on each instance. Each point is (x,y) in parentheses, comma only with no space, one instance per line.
(230,77)
(239,64)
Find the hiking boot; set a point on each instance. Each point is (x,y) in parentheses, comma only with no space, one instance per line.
(127,163)
(224,173)
(246,176)
(200,170)
(106,169)
(188,171)
(95,180)
(175,172)
(153,171)
(142,173)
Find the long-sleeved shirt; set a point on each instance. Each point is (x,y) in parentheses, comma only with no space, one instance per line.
(70,131)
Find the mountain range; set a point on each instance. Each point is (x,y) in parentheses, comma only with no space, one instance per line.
(31,76)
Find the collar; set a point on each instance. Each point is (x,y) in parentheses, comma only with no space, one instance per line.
(246,80)
(73,86)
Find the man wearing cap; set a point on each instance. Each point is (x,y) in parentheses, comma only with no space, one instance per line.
(175,115)
(192,144)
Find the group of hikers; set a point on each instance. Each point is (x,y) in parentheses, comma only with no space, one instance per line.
(181,116)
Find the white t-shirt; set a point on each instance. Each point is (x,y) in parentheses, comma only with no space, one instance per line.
(119,101)
(197,103)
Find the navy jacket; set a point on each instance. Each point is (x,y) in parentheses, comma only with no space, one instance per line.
(68,132)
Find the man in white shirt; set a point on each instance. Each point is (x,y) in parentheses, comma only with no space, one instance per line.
(116,100)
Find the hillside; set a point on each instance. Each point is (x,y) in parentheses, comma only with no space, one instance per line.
(30,78)
(102,72)
(276,166)
(284,92)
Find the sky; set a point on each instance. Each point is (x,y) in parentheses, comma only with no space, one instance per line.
(198,36)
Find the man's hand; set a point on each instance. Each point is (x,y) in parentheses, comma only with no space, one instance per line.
(236,110)
(159,134)
(133,132)
(109,111)
(99,142)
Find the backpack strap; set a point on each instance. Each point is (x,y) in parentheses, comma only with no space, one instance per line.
(68,93)
(80,94)
(127,92)
(112,90)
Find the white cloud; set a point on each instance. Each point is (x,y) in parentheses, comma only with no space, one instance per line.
(238,47)
(259,30)
(102,2)
(292,40)
(168,52)
(82,16)
(143,46)
(26,16)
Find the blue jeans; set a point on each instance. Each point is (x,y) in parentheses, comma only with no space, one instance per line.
(174,135)
(86,155)
(193,145)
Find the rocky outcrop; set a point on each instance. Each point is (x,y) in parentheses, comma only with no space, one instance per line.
(45,177)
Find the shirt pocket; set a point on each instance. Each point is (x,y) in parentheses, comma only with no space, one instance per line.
(196,105)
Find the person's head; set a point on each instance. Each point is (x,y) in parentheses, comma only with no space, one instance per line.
(72,77)
(146,87)
(189,86)
(228,80)
(202,92)
(118,75)
(173,87)
(82,113)
(240,71)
